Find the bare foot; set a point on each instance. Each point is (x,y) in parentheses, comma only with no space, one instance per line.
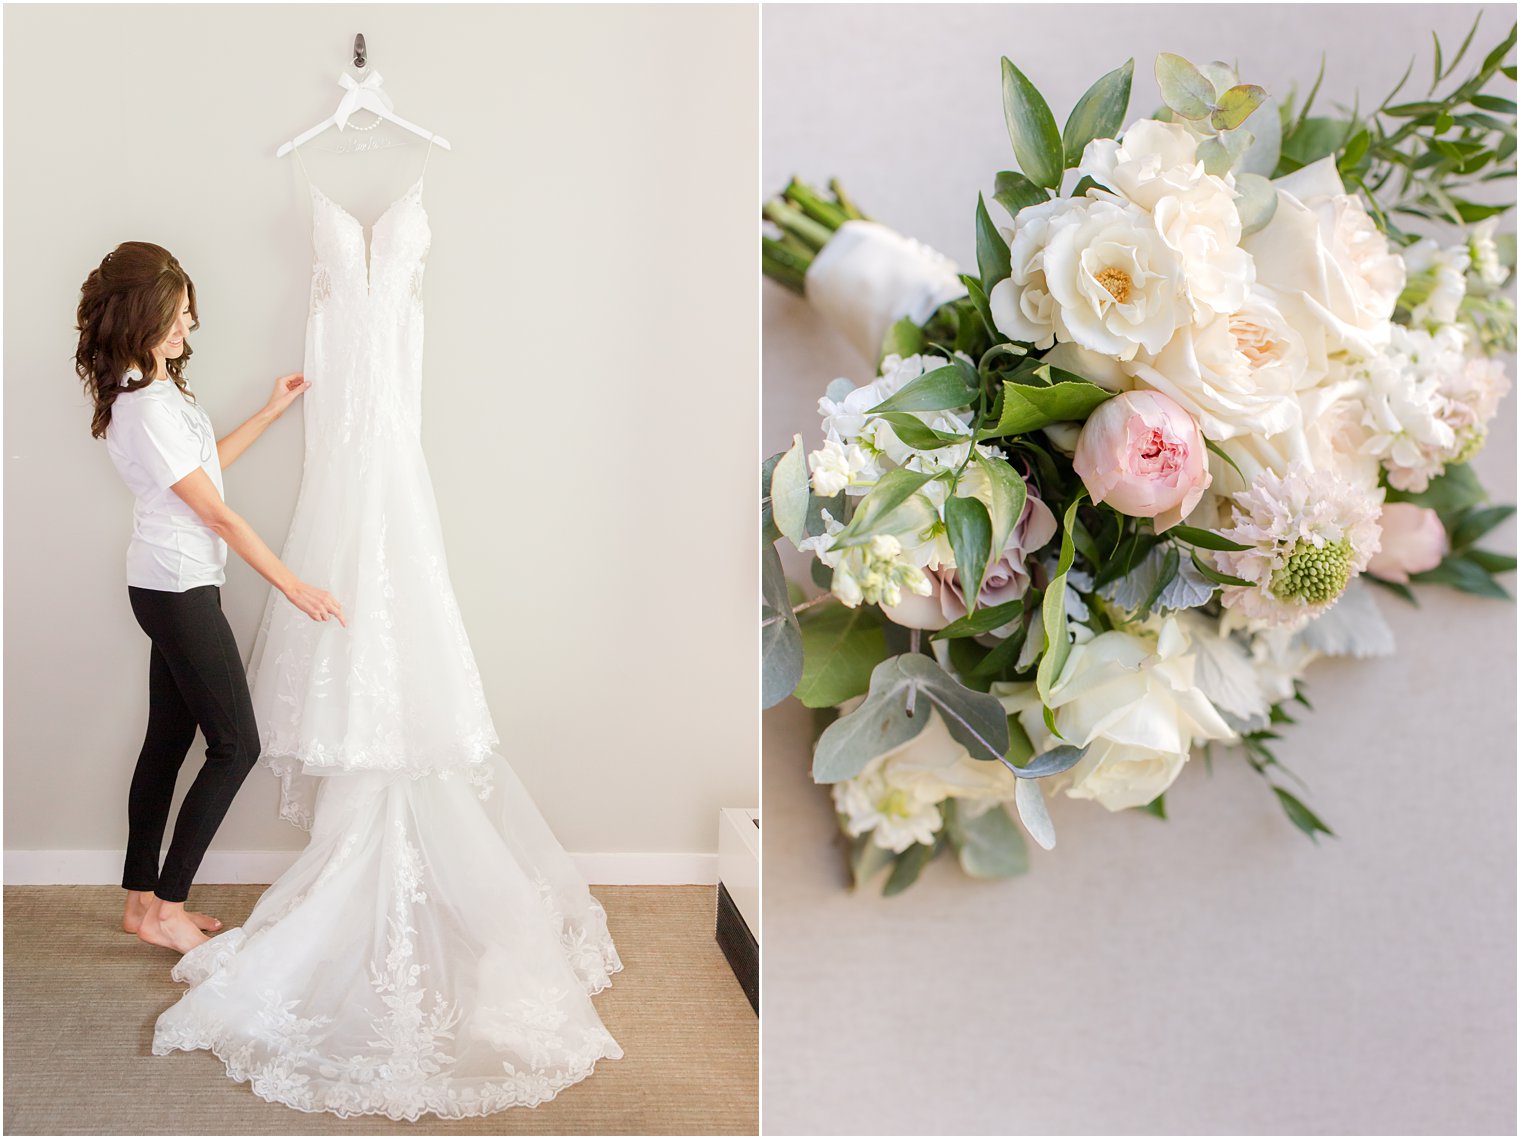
(167,924)
(138,903)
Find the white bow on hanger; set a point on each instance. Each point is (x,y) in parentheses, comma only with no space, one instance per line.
(364,95)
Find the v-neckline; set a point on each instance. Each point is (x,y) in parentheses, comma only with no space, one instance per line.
(367,232)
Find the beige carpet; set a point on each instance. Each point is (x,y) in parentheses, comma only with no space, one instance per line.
(81,998)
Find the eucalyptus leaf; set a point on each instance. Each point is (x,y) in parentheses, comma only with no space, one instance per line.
(881,722)
(841,647)
(991,845)
(1234,105)
(1184,88)
(908,866)
(789,493)
(1053,761)
(781,650)
(1031,129)
(768,530)
(1034,814)
(1257,204)
(867,860)
(1099,113)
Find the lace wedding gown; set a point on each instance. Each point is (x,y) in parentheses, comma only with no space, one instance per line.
(433,949)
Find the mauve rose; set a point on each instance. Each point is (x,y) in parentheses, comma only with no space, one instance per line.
(1006,579)
(1143,454)
(1413,541)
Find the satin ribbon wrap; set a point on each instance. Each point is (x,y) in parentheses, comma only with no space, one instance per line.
(350,101)
(869,277)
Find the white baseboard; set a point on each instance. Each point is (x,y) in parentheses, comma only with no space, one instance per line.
(103,868)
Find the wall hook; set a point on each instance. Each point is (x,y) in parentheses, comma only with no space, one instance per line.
(359,50)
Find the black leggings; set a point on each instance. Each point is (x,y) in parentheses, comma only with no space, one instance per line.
(195,679)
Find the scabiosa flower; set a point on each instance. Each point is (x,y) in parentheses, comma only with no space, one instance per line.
(1310,533)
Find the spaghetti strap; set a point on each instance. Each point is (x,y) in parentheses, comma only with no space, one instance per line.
(425,158)
(302,161)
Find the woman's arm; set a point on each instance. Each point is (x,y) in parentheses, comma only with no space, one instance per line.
(200,494)
(233,444)
(286,388)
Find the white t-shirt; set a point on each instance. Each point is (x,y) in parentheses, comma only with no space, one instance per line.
(156,437)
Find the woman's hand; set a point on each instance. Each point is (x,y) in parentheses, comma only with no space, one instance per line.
(286,388)
(316,603)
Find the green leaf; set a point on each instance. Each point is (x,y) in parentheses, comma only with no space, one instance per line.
(954,385)
(991,249)
(903,339)
(867,860)
(1099,113)
(841,647)
(1235,105)
(1215,576)
(1184,88)
(1006,495)
(891,491)
(1448,493)
(990,845)
(1026,408)
(982,621)
(1491,561)
(908,866)
(882,722)
(1013,192)
(1053,614)
(781,651)
(1476,522)
(1156,806)
(1031,129)
(1300,815)
(789,492)
(1460,572)
(1205,538)
(915,433)
(970,532)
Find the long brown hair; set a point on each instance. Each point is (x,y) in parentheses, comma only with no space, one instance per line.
(126,307)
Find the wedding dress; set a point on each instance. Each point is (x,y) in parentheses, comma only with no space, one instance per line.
(433,949)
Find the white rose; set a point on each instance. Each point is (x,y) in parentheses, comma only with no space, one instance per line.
(1116,284)
(1131,700)
(1236,373)
(1333,268)
(1150,161)
(1021,305)
(1203,226)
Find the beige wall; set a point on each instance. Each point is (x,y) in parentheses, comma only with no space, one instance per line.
(589,409)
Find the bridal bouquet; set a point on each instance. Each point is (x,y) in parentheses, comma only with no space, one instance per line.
(1108,496)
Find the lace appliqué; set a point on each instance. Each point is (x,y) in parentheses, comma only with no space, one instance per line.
(321,287)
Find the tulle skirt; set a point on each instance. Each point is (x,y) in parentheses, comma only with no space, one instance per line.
(432,950)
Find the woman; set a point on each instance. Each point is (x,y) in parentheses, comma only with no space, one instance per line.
(134,314)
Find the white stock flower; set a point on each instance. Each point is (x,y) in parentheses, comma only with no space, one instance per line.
(1471,399)
(1439,275)
(1309,532)
(1404,406)
(875,570)
(1236,373)
(847,418)
(1484,252)
(898,793)
(836,467)
(1132,701)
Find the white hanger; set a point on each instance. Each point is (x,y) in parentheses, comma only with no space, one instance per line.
(360,96)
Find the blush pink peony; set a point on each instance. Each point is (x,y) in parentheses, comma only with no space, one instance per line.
(1141,453)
